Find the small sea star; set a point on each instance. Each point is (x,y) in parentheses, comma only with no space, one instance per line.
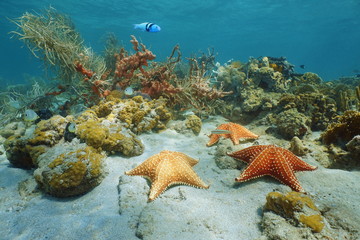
(236,132)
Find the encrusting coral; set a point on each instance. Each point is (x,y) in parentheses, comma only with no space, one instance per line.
(76,170)
(296,206)
(17,152)
(194,123)
(23,150)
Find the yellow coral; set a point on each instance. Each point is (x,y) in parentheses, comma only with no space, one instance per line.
(74,172)
(276,67)
(49,132)
(288,205)
(236,64)
(113,142)
(315,222)
(95,160)
(70,178)
(35,152)
(138,99)
(104,108)
(138,116)
(163,113)
(86,116)
(194,123)
(93,133)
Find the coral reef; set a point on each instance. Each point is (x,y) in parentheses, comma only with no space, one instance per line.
(268,78)
(69,170)
(291,123)
(343,129)
(109,126)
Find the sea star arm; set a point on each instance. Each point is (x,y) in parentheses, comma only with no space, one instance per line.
(296,163)
(214,138)
(239,132)
(147,168)
(248,154)
(171,172)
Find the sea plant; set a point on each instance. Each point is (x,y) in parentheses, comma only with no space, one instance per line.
(52,36)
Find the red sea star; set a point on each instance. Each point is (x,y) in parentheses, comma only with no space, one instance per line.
(274,161)
(236,132)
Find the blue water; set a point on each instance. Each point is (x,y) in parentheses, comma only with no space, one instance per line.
(324,35)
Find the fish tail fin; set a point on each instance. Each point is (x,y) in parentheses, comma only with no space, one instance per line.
(136,26)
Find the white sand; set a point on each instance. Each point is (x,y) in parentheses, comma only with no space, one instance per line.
(224,211)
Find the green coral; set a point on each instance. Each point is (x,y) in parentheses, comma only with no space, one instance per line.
(344,129)
(297,206)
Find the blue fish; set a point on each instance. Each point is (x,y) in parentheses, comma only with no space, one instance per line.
(147,26)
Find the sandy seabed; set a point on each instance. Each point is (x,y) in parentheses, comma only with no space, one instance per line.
(118,207)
